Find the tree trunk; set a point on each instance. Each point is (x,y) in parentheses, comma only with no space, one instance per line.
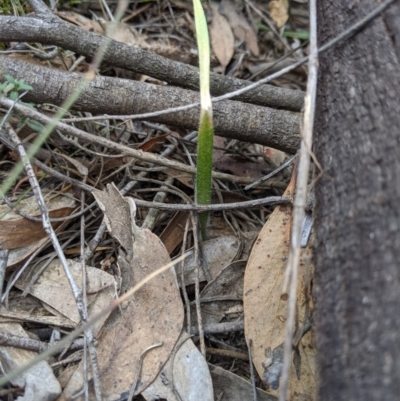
(357,211)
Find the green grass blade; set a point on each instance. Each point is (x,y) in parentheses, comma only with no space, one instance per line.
(206,128)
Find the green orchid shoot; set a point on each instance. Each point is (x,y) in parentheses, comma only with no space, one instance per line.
(206,127)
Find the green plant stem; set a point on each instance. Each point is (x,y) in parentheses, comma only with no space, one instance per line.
(204,166)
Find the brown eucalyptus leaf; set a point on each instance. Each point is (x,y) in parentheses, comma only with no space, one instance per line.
(173,233)
(265,311)
(222,39)
(18,232)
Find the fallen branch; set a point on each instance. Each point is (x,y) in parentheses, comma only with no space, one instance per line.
(104,95)
(50,29)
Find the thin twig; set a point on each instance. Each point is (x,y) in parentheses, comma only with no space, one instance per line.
(348,33)
(84,292)
(3,267)
(84,327)
(125,150)
(196,239)
(220,328)
(252,375)
(30,344)
(139,369)
(300,200)
(40,8)
(268,176)
(152,215)
(182,277)
(270,200)
(52,235)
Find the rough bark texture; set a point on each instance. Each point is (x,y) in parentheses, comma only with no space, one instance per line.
(246,122)
(357,214)
(55,31)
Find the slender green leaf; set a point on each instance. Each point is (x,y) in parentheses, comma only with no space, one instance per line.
(206,129)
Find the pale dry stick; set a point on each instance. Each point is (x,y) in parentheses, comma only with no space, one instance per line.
(351,31)
(100,231)
(150,220)
(348,33)
(139,369)
(196,239)
(272,200)
(183,285)
(300,200)
(174,352)
(52,235)
(30,344)
(3,267)
(220,328)
(138,154)
(74,334)
(276,171)
(84,292)
(41,9)
(252,376)
(273,29)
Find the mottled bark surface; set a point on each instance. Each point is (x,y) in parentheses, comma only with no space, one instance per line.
(53,30)
(113,96)
(357,213)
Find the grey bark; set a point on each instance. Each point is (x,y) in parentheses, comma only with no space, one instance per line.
(357,214)
(55,31)
(246,122)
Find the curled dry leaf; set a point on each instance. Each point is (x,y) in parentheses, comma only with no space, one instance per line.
(153,315)
(279,12)
(222,39)
(265,311)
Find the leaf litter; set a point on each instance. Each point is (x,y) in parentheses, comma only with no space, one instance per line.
(147,329)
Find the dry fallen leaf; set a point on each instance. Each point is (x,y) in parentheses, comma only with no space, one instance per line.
(153,315)
(222,39)
(279,12)
(231,387)
(83,22)
(218,253)
(228,283)
(265,311)
(241,28)
(52,287)
(18,232)
(185,377)
(39,381)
